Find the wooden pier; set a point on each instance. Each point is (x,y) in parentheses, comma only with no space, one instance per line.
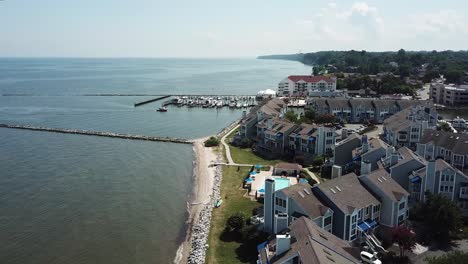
(151,100)
(98,133)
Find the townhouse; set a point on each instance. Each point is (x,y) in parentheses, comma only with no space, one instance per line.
(340,108)
(451,147)
(442,178)
(359,109)
(270,109)
(312,140)
(283,205)
(355,209)
(307,243)
(272,136)
(401,163)
(362,109)
(448,146)
(370,151)
(406,127)
(343,150)
(393,197)
(304,85)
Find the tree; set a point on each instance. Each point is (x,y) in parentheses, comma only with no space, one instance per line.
(212,142)
(444,126)
(309,114)
(318,161)
(455,257)
(291,116)
(405,238)
(325,119)
(235,222)
(441,217)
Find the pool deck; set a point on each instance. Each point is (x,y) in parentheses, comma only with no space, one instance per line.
(259,181)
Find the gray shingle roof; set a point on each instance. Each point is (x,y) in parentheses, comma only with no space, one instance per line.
(457,143)
(384,182)
(314,245)
(307,202)
(352,195)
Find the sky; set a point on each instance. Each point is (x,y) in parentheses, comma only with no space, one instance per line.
(220,28)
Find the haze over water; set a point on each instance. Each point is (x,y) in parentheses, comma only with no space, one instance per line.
(82,199)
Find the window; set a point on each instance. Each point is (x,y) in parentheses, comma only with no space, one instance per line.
(327,221)
(367,210)
(376,208)
(464,190)
(402,205)
(280,202)
(360,214)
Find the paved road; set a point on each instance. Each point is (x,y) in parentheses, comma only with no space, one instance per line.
(461,245)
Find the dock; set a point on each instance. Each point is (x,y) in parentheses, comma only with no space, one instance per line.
(151,100)
(98,133)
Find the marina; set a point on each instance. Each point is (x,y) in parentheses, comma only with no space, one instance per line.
(215,101)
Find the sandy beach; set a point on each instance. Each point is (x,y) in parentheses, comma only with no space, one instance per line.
(202,191)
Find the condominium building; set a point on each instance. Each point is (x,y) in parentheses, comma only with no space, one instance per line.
(448,94)
(304,85)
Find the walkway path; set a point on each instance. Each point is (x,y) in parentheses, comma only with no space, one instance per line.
(312,175)
(226,147)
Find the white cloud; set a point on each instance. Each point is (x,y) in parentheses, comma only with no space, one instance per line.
(363,26)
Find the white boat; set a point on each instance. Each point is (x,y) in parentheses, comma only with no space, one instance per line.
(459,123)
(239,105)
(245,105)
(219,104)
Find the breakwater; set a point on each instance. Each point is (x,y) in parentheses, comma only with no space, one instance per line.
(97,133)
(151,100)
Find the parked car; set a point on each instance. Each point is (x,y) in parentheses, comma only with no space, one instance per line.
(370,258)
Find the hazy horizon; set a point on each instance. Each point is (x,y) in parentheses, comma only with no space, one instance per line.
(219,29)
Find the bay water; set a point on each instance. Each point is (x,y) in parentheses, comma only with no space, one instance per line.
(82,199)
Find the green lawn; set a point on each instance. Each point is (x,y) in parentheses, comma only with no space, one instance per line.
(246,156)
(221,251)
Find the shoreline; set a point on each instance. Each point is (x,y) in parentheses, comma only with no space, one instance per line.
(205,193)
(200,197)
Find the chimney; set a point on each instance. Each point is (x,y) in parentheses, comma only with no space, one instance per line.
(344,133)
(281,222)
(430,177)
(269,203)
(366,167)
(425,125)
(244,114)
(336,171)
(283,243)
(365,144)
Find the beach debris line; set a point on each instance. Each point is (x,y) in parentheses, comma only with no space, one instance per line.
(201,228)
(98,133)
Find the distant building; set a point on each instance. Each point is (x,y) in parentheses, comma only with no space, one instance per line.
(359,109)
(448,94)
(307,85)
(306,242)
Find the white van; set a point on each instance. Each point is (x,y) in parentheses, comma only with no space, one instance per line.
(367,257)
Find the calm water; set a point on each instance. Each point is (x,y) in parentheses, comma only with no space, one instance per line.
(81,199)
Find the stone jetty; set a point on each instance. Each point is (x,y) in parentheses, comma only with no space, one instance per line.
(97,133)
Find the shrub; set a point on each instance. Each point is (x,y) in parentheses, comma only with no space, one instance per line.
(318,161)
(245,143)
(212,142)
(235,222)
